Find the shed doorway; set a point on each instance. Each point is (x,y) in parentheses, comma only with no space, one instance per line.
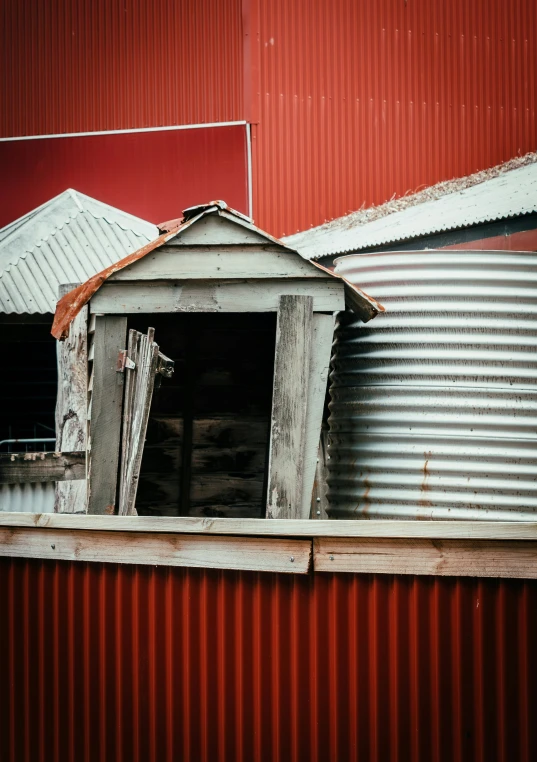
(206,451)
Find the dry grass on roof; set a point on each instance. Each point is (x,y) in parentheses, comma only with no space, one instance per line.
(363,216)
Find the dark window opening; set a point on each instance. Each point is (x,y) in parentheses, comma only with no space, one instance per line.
(28,383)
(206,451)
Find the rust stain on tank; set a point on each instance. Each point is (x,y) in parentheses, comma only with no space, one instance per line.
(424,503)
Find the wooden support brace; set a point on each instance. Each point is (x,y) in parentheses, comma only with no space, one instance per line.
(289,407)
(106,407)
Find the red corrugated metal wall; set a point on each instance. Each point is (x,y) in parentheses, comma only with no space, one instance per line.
(100,662)
(154,175)
(362,100)
(86,65)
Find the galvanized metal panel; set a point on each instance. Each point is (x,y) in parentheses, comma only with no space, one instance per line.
(67,240)
(138,663)
(434,403)
(359,101)
(108,64)
(29,498)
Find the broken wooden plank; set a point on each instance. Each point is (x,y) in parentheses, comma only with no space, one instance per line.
(242,553)
(28,467)
(451,558)
(214,296)
(106,407)
(144,382)
(289,408)
(71,404)
(321,350)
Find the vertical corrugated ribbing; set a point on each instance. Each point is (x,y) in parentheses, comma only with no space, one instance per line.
(86,65)
(141,664)
(362,100)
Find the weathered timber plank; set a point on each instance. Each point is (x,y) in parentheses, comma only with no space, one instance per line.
(71,405)
(462,530)
(216,296)
(243,553)
(106,406)
(200,263)
(24,467)
(289,407)
(321,348)
(451,558)
(319,499)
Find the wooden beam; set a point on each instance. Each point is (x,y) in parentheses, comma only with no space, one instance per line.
(214,296)
(243,553)
(72,405)
(289,407)
(450,558)
(206,263)
(461,530)
(321,349)
(106,406)
(27,467)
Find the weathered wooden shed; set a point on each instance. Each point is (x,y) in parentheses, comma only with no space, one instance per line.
(249,326)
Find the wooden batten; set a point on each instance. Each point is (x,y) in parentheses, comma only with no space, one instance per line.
(241,553)
(444,558)
(251,295)
(33,467)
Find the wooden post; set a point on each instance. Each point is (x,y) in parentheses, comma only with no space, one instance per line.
(106,406)
(321,349)
(71,405)
(289,407)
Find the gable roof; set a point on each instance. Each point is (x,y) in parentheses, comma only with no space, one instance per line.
(71,304)
(507,190)
(66,240)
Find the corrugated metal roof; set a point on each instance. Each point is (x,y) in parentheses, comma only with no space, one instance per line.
(66,240)
(506,194)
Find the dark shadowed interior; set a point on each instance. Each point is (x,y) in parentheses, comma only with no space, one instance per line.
(207,440)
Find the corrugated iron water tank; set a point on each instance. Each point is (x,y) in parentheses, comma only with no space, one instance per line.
(433,408)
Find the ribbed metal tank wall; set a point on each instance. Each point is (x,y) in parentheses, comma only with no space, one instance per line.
(362,100)
(29,498)
(85,65)
(117,664)
(434,403)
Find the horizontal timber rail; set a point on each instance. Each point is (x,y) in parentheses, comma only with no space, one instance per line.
(28,467)
(443,548)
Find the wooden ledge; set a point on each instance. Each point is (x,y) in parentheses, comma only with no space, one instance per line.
(241,553)
(456,549)
(436,530)
(446,558)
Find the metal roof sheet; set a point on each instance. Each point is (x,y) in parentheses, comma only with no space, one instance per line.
(507,194)
(66,240)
